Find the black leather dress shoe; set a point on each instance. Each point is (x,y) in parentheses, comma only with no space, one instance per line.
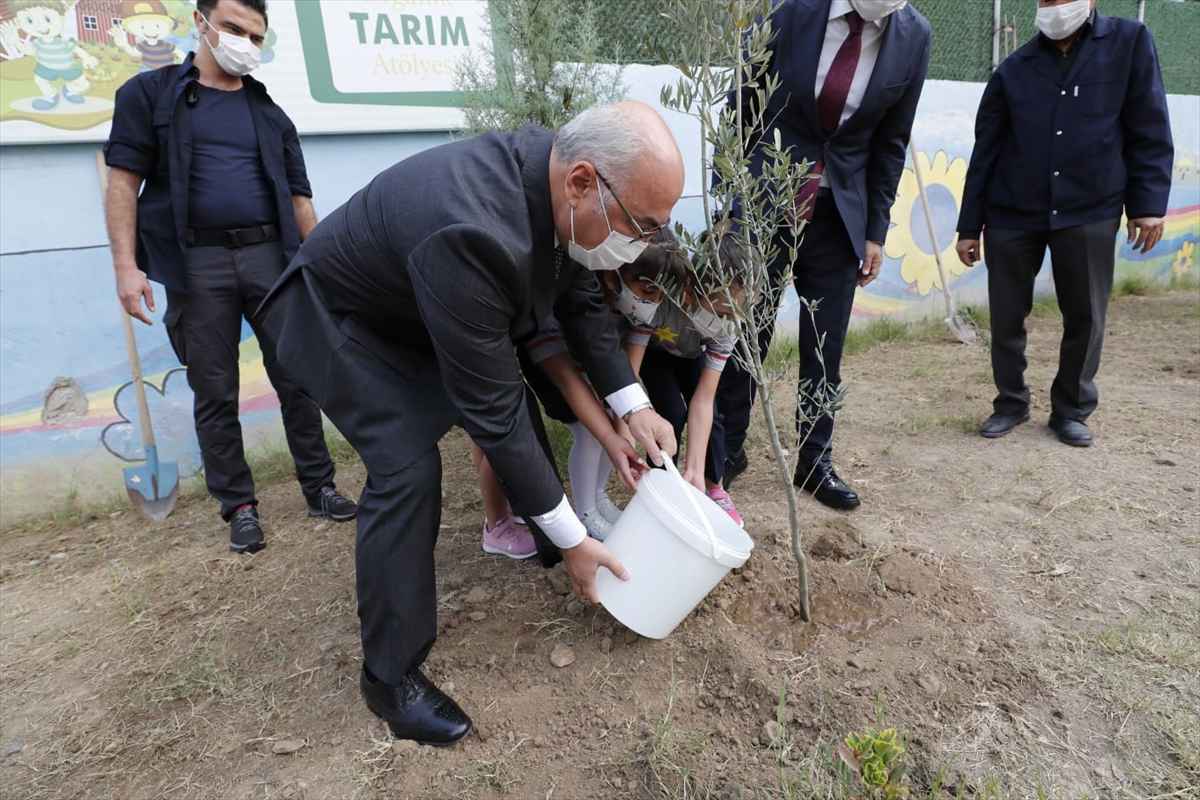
(736,464)
(998,425)
(825,485)
(1072,432)
(415,709)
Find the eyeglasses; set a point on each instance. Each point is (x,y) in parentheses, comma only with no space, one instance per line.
(642,233)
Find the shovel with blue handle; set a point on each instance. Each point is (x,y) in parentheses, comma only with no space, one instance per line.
(153,486)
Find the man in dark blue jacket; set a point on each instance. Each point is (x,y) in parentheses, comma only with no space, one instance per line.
(225,204)
(1072,129)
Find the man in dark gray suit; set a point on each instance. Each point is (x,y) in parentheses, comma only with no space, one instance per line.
(400,315)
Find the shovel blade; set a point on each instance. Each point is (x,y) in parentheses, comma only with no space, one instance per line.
(961,330)
(153,486)
(157,509)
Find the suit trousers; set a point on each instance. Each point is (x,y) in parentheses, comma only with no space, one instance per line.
(825,270)
(1082,259)
(670,382)
(399,516)
(205,326)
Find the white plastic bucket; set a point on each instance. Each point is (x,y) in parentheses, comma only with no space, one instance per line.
(677,545)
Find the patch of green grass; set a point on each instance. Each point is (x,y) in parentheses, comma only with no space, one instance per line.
(1146,666)
(1135,286)
(875,332)
(272,463)
(276,655)
(914,424)
(671,754)
(1045,305)
(72,512)
(1188,281)
(208,672)
(130,595)
(489,774)
(561,440)
(783,356)
(1181,729)
(1157,641)
(339,449)
(980,315)
(964,423)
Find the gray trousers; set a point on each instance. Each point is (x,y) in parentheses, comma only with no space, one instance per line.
(204,326)
(1082,259)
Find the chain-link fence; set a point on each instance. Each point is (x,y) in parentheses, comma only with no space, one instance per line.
(634,31)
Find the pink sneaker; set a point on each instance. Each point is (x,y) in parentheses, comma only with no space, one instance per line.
(506,539)
(722,499)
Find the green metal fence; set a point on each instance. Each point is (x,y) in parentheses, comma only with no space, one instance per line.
(632,31)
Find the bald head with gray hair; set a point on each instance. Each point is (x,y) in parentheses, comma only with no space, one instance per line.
(627,146)
(614,139)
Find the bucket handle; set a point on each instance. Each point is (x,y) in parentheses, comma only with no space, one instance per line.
(713,542)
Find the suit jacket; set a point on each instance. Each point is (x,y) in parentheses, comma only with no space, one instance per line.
(401,312)
(1054,152)
(865,155)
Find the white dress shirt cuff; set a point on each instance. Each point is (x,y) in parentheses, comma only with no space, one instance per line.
(622,400)
(561,525)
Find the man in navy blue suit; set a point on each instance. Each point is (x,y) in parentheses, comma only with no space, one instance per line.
(1072,129)
(850,74)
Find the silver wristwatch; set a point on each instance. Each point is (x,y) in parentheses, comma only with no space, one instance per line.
(639,407)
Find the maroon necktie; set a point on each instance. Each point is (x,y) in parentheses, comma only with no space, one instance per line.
(830,104)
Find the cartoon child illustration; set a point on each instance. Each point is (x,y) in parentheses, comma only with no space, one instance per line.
(42,21)
(148,22)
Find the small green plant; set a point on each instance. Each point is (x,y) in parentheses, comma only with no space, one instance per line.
(877,759)
(545,69)
(1134,285)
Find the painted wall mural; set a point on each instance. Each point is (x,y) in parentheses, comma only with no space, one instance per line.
(380,66)
(68,424)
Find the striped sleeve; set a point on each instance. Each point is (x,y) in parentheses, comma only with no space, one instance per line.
(717,352)
(547,342)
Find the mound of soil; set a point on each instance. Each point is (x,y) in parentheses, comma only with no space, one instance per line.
(145,661)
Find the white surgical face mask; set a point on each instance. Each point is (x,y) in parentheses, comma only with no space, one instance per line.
(873,10)
(710,325)
(237,55)
(636,309)
(1059,22)
(614,252)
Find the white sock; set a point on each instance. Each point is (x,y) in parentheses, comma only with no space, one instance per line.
(584,465)
(602,477)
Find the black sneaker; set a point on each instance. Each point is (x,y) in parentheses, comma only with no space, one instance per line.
(245,531)
(333,505)
(735,464)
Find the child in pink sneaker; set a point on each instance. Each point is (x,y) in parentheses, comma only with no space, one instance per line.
(501,532)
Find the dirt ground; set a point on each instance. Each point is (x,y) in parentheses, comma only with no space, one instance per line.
(1026,614)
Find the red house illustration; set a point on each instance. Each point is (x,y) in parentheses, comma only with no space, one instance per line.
(93,18)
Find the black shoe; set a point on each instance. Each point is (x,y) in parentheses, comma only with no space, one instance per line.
(331,504)
(734,465)
(415,709)
(998,425)
(245,531)
(1072,432)
(825,485)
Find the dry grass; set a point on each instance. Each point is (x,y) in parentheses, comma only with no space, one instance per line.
(148,662)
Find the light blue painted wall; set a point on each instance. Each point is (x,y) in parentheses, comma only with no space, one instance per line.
(59,314)
(58,305)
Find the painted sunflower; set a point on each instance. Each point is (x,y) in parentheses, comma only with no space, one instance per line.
(909,240)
